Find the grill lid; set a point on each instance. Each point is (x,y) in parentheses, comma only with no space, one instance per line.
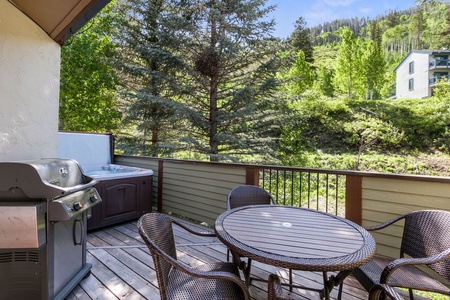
(44,178)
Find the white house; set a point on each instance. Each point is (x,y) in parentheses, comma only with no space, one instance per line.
(416,75)
(31,35)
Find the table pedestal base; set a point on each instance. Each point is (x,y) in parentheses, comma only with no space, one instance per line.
(324,293)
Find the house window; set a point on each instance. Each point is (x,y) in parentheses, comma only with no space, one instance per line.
(411,67)
(411,84)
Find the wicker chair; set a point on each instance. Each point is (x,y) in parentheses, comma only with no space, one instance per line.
(179,281)
(383,292)
(426,242)
(274,291)
(245,195)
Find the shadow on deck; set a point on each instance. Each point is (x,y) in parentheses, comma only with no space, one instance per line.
(122,267)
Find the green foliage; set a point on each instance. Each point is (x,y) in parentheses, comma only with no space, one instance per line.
(233,64)
(300,76)
(148,36)
(88,82)
(324,81)
(347,77)
(400,136)
(300,40)
(372,66)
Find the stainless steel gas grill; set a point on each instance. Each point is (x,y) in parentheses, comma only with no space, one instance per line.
(44,205)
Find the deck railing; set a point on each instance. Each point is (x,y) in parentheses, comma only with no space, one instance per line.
(198,191)
(311,188)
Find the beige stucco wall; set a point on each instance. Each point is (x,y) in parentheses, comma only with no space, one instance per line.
(29,88)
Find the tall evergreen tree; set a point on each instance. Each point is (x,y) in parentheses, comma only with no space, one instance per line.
(300,39)
(148,37)
(233,80)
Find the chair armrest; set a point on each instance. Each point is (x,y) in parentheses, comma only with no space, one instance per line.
(201,233)
(398,263)
(205,274)
(386,224)
(380,291)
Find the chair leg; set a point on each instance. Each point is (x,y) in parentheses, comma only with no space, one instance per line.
(228,254)
(411,294)
(290,280)
(326,288)
(246,271)
(340,290)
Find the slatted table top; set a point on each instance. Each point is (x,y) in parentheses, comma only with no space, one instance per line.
(296,238)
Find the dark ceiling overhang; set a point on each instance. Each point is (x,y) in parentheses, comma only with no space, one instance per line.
(60,18)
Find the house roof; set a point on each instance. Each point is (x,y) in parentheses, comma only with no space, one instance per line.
(428,52)
(60,19)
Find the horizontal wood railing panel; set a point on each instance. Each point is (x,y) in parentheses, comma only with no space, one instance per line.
(386,198)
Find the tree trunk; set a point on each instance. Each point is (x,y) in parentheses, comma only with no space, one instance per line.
(213,143)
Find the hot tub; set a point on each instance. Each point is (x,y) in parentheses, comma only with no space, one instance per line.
(113,171)
(126,191)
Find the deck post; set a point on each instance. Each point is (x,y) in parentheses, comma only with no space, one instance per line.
(353,199)
(252,175)
(160,185)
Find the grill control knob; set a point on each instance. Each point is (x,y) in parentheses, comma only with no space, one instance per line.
(77,206)
(93,198)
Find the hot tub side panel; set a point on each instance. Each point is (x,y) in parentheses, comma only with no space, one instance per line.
(123,200)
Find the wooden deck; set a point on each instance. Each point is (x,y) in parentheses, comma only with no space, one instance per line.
(122,267)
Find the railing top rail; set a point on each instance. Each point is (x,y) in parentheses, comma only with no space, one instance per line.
(427,178)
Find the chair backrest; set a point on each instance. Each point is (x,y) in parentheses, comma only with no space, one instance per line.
(244,195)
(157,233)
(427,233)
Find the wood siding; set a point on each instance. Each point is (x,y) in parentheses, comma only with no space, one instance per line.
(195,190)
(199,191)
(384,199)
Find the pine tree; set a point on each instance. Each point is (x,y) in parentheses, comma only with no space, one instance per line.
(234,62)
(300,40)
(148,37)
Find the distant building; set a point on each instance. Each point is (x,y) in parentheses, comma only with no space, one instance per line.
(416,75)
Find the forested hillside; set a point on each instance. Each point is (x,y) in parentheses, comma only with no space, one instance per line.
(204,80)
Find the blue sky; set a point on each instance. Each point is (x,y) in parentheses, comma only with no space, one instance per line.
(316,12)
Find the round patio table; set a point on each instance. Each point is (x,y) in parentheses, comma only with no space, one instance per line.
(297,238)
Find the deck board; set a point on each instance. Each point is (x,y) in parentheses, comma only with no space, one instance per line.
(122,267)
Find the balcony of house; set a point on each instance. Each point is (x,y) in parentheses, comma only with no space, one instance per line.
(196,192)
(439,64)
(432,81)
